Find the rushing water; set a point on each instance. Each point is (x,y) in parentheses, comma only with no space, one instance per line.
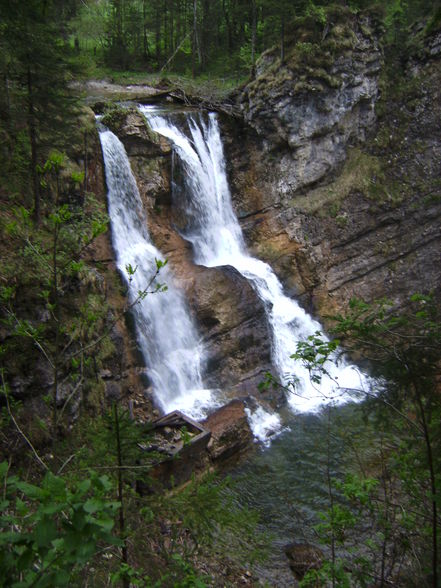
(165,332)
(213,229)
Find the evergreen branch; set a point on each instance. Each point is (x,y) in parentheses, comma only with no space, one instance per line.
(31,336)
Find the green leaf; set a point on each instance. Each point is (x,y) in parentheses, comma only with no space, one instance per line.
(45,532)
(93,505)
(4,467)
(31,491)
(105,523)
(160,264)
(77,177)
(130,269)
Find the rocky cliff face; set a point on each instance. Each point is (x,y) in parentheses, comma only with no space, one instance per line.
(337,188)
(309,107)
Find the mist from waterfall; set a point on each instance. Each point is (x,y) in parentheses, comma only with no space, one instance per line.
(215,234)
(165,332)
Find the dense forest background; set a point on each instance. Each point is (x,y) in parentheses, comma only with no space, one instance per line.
(221,37)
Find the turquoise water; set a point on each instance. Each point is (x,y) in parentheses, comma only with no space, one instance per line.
(287,482)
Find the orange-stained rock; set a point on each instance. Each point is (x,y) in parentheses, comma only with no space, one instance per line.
(230,431)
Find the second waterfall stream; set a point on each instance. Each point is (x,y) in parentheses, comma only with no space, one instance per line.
(216,237)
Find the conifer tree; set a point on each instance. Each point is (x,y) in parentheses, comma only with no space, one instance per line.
(37,68)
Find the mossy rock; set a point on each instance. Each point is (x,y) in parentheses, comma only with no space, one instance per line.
(359,173)
(115,119)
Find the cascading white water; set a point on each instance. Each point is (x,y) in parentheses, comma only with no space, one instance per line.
(165,333)
(217,240)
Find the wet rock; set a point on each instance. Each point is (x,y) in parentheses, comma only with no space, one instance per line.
(19,385)
(232,320)
(303,557)
(138,138)
(230,431)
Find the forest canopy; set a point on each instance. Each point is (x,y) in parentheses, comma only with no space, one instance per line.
(220,37)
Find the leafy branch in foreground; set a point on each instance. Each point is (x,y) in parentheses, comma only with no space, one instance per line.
(48,532)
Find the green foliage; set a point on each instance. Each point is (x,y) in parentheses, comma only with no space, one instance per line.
(48,532)
(314,353)
(39,107)
(328,573)
(318,13)
(165,531)
(113,119)
(358,489)
(45,266)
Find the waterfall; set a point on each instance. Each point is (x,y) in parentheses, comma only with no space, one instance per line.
(215,234)
(165,332)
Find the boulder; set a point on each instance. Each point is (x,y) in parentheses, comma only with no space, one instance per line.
(230,432)
(303,557)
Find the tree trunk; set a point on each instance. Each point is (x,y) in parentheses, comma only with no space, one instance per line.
(33,141)
(86,170)
(196,47)
(157,34)
(165,35)
(253,38)
(171,27)
(56,318)
(228,25)
(433,486)
(145,44)
(7,113)
(125,559)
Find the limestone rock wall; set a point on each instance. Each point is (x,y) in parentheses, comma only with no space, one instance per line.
(323,95)
(338,187)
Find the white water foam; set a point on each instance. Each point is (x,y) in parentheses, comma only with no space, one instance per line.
(265,425)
